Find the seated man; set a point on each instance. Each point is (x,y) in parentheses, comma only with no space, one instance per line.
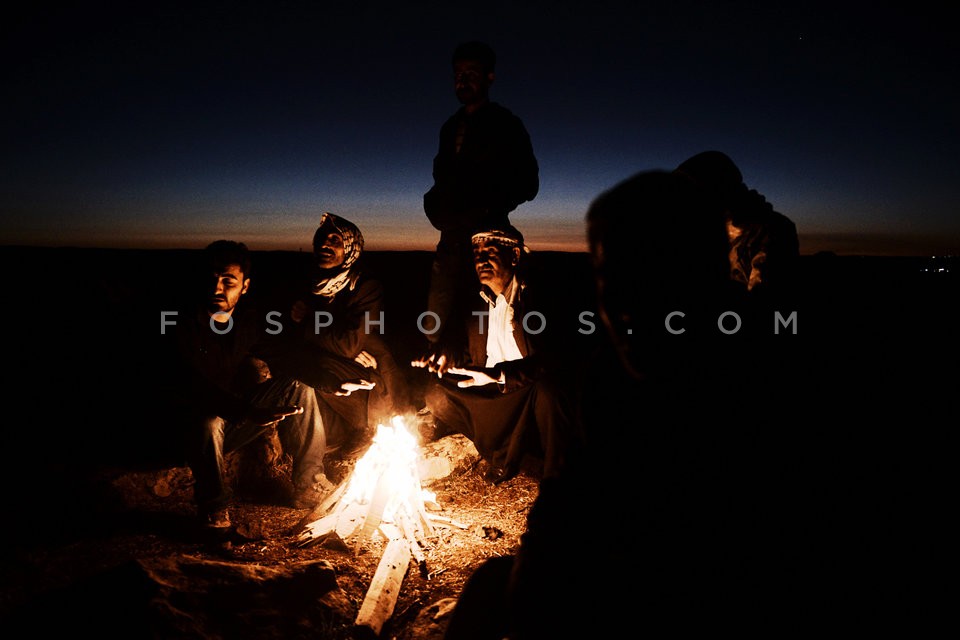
(226,396)
(338,327)
(501,388)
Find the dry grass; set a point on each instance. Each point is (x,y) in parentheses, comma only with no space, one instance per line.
(154,519)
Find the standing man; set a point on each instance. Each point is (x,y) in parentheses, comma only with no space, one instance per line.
(484,168)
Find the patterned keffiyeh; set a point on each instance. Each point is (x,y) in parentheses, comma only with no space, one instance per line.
(508,236)
(332,281)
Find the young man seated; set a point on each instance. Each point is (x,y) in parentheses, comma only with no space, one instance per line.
(225,395)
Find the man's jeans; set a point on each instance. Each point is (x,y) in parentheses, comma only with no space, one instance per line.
(302,436)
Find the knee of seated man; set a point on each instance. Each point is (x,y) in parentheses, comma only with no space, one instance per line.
(302,395)
(212,425)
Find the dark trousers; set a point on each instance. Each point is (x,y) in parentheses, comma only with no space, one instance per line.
(345,417)
(481,610)
(452,279)
(535,420)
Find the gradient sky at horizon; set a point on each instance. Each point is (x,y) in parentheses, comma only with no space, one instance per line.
(173,125)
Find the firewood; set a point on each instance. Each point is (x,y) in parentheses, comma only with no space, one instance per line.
(444,521)
(374,515)
(325,505)
(381,598)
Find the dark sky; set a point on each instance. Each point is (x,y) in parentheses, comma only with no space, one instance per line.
(177,124)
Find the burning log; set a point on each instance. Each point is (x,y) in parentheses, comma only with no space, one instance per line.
(383,495)
(384,590)
(384,487)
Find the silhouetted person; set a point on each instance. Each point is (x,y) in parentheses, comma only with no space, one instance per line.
(484,168)
(764,248)
(690,510)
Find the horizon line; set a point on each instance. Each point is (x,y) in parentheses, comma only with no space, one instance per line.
(403,249)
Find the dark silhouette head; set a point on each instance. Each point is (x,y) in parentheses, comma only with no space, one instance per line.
(473,64)
(659,246)
(476,51)
(714,170)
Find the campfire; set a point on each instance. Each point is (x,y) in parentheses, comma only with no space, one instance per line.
(382,497)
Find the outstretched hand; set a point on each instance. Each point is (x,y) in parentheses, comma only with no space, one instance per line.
(438,364)
(262,416)
(349,386)
(474,377)
(365,359)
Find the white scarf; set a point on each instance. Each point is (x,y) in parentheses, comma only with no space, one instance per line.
(501,343)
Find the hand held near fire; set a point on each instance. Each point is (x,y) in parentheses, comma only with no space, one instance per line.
(433,364)
(475,377)
(366,360)
(349,386)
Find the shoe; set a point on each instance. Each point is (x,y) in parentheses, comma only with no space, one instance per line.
(312,496)
(426,425)
(323,483)
(496,475)
(219,519)
(306,499)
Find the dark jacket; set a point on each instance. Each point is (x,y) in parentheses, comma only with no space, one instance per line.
(493,173)
(214,369)
(764,256)
(350,322)
(548,346)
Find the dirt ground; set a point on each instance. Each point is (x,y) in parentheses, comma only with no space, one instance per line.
(78,398)
(148,515)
